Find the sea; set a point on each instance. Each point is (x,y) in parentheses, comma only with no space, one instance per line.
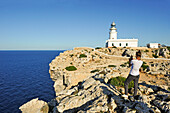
(24,75)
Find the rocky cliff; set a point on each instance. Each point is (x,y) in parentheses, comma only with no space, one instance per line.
(82,84)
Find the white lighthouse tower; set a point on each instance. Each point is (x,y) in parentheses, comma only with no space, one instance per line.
(114,42)
(113,31)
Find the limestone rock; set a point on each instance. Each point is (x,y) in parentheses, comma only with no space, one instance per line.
(142,108)
(89,82)
(35,106)
(164,106)
(58,87)
(87,90)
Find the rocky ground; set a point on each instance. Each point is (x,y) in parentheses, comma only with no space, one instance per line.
(86,88)
(146,52)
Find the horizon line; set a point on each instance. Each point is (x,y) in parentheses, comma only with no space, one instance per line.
(33,49)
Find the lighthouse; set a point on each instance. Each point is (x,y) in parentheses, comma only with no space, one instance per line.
(114,42)
(113,31)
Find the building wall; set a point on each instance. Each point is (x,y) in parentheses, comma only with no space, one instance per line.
(113,35)
(122,43)
(153,45)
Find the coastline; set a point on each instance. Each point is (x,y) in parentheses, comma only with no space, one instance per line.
(70,84)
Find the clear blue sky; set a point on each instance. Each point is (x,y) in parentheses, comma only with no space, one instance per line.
(64,24)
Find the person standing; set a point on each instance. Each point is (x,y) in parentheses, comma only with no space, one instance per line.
(134,73)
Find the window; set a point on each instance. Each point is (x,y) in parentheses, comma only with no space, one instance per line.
(126,44)
(120,44)
(112,44)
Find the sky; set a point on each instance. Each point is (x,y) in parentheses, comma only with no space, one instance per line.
(65,24)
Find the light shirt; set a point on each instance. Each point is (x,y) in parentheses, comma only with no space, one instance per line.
(136,64)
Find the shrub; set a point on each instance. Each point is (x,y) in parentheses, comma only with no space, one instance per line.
(93,55)
(71,68)
(98,48)
(96,54)
(168,88)
(144,62)
(168,47)
(146,51)
(126,62)
(111,65)
(71,55)
(82,56)
(114,47)
(123,65)
(156,51)
(119,81)
(155,56)
(160,68)
(144,66)
(93,71)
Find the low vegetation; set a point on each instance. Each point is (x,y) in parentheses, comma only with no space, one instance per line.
(146,50)
(126,62)
(93,56)
(71,55)
(168,47)
(82,56)
(154,55)
(111,65)
(144,63)
(144,66)
(93,71)
(119,81)
(71,68)
(123,65)
(98,48)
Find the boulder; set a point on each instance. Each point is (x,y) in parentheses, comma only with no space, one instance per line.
(58,87)
(35,106)
(142,108)
(113,104)
(164,106)
(155,109)
(89,82)
(93,96)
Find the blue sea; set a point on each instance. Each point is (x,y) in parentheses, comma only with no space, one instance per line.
(24,76)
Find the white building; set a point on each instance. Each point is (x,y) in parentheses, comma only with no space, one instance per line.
(153,45)
(113,41)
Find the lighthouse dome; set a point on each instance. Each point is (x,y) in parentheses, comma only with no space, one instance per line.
(113,24)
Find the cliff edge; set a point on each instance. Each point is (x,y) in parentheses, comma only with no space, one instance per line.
(82,82)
